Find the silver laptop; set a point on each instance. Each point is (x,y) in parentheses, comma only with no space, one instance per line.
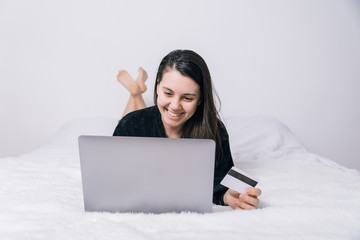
(150,175)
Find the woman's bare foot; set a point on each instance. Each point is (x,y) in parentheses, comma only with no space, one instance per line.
(125,79)
(141,80)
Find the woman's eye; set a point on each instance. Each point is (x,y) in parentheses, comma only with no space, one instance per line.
(167,93)
(188,99)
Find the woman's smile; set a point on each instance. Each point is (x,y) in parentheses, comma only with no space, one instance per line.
(174,114)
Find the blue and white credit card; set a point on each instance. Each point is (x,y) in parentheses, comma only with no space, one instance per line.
(238,180)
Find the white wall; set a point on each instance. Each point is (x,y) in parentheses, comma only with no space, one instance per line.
(296,60)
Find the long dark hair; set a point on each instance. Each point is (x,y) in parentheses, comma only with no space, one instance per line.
(205,122)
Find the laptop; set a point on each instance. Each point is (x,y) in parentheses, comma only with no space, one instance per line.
(148,175)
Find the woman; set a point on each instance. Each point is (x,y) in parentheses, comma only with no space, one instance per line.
(184,108)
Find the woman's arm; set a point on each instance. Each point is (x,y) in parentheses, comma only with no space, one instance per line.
(224,162)
(223,195)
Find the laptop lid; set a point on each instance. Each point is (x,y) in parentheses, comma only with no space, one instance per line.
(150,175)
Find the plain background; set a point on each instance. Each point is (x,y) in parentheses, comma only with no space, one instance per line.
(295,60)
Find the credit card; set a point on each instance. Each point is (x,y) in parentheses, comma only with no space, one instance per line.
(238,180)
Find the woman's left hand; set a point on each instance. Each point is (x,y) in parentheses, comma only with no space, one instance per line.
(246,201)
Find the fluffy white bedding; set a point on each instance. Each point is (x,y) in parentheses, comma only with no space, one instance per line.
(304,196)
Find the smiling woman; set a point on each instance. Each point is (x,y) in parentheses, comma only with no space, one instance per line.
(184,108)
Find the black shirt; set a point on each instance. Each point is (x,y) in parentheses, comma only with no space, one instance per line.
(147,123)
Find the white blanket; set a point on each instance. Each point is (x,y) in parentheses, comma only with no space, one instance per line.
(304,196)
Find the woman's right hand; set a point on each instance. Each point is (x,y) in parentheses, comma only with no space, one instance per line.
(246,201)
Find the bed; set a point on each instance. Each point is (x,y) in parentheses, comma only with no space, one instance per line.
(305,196)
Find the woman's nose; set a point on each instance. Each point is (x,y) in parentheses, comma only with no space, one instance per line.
(175,104)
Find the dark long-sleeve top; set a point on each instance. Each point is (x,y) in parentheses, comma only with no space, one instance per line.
(147,123)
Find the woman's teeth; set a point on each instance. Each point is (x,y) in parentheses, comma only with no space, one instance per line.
(173,114)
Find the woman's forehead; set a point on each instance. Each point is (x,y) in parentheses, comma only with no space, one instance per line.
(175,81)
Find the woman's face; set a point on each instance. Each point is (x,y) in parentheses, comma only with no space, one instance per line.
(178,98)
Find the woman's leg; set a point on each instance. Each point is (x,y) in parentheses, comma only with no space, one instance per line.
(136,89)
(135,102)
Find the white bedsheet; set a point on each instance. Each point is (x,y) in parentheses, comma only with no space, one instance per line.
(304,196)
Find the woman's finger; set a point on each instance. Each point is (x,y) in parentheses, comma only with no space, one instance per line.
(255,192)
(245,206)
(249,200)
